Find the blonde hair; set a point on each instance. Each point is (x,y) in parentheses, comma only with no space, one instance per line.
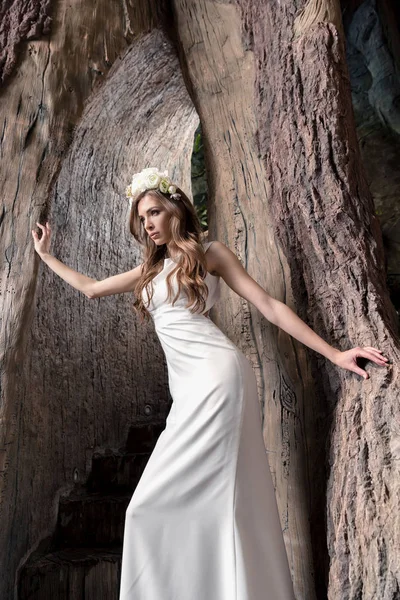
(186,239)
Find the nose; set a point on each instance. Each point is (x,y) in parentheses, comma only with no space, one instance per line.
(148,225)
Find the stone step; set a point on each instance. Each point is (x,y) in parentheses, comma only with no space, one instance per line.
(72,574)
(91,520)
(113,471)
(121,470)
(142,438)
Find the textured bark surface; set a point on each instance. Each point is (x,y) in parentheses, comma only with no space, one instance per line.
(20,20)
(76,372)
(326,224)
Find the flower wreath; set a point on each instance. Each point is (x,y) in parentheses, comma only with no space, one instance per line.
(151,179)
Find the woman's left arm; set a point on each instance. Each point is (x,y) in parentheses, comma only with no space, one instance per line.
(225,263)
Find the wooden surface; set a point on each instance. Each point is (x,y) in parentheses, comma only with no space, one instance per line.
(85,109)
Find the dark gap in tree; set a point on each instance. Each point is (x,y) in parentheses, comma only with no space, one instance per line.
(373,56)
(199,179)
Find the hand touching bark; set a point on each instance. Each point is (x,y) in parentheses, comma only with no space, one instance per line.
(348,359)
(78,280)
(42,245)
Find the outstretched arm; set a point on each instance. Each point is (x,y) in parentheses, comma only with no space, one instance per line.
(92,288)
(226,264)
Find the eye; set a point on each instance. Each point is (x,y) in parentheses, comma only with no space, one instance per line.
(155,211)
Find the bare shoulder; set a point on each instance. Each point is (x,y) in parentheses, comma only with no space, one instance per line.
(220,258)
(223,262)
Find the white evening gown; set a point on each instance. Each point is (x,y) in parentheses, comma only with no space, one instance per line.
(203,522)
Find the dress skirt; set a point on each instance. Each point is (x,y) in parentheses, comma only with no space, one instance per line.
(203,522)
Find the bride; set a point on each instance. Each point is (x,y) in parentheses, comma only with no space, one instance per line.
(203,520)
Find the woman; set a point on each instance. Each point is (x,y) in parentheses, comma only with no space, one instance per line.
(203,522)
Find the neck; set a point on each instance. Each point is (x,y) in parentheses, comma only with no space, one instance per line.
(169,255)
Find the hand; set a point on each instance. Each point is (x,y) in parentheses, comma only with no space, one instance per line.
(348,359)
(42,246)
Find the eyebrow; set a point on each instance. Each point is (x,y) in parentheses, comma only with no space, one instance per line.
(149,210)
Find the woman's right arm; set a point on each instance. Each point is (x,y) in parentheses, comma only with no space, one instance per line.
(92,288)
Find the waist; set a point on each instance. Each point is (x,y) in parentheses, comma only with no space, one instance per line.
(183,332)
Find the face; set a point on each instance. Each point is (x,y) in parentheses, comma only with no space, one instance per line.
(155,219)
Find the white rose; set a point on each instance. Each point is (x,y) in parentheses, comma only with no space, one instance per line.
(152,180)
(137,181)
(172,189)
(164,184)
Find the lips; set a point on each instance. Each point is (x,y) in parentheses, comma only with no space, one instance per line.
(154,234)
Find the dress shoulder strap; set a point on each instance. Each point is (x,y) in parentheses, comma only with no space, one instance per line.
(206,245)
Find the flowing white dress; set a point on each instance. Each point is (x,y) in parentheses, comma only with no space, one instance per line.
(203,522)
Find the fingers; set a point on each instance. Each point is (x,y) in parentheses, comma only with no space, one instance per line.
(370,355)
(44,228)
(46,233)
(377,352)
(363,374)
(356,369)
(348,359)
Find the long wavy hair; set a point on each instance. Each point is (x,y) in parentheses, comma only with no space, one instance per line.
(186,243)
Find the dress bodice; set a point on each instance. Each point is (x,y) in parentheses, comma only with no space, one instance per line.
(160,294)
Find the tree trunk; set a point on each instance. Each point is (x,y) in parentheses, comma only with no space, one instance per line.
(76,373)
(323,207)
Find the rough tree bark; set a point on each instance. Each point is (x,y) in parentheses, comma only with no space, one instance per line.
(323,207)
(77,372)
